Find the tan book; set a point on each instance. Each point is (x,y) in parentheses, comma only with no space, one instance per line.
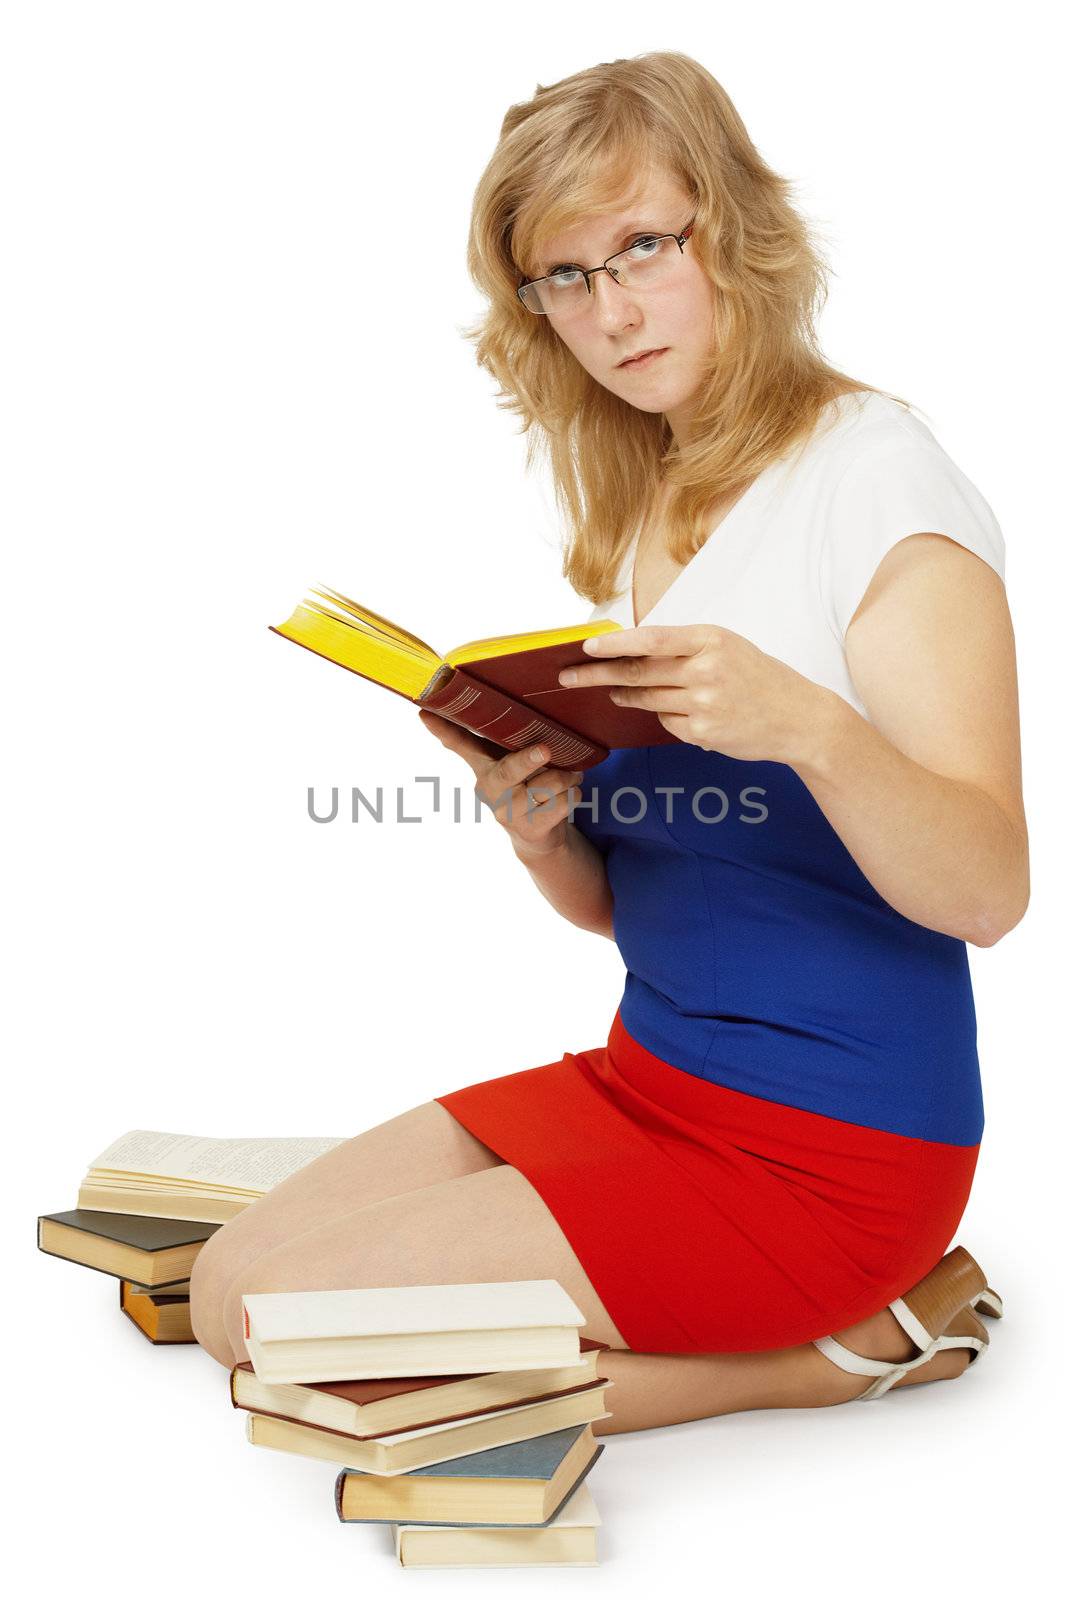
(163,1318)
(444,1441)
(569,1540)
(366,1408)
(314,1335)
(149,1173)
(525,1483)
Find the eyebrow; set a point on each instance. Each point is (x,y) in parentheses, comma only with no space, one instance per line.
(623,233)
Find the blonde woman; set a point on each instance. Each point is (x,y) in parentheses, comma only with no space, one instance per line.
(751,1187)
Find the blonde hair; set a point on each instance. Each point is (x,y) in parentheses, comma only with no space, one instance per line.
(577,149)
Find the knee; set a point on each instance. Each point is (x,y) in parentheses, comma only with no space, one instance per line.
(209,1281)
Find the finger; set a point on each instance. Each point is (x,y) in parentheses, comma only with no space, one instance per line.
(673,699)
(527,799)
(661,641)
(551,807)
(519,765)
(628,670)
(479,753)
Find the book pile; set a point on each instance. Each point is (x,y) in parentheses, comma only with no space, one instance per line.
(148,1203)
(461,1414)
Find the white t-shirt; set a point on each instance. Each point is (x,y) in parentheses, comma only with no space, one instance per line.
(790,562)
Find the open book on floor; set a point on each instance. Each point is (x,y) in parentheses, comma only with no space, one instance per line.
(148,1173)
(505,688)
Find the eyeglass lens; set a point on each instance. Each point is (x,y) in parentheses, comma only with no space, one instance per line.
(644,265)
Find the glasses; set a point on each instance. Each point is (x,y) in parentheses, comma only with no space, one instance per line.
(646,264)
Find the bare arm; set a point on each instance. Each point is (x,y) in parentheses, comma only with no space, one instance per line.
(927,795)
(568,870)
(573,879)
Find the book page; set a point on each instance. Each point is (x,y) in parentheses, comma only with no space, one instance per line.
(237,1163)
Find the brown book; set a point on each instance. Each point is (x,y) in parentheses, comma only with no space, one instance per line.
(367,1408)
(412,1449)
(163,1318)
(506,688)
(150,1251)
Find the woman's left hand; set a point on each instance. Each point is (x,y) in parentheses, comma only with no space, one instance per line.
(709,687)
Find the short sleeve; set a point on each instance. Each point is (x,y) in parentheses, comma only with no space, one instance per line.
(892,490)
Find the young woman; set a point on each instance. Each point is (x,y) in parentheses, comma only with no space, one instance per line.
(750,1189)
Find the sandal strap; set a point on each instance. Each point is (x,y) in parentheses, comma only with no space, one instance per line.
(920,1336)
(885,1373)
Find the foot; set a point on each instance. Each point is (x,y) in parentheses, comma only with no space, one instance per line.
(882,1338)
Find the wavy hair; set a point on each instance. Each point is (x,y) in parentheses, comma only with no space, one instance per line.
(576,149)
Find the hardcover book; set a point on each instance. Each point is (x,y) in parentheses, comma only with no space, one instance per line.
(149,1173)
(162,1318)
(505,689)
(445,1441)
(366,1408)
(151,1251)
(569,1540)
(314,1335)
(515,1484)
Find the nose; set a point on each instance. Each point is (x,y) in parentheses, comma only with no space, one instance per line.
(613,306)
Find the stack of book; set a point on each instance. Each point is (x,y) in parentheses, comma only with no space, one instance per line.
(147,1204)
(461,1414)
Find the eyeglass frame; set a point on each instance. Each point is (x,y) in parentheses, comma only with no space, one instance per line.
(680,239)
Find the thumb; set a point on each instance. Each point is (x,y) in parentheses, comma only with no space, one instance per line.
(478,753)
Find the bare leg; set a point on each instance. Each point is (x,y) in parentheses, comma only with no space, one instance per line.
(422,1146)
(654,1390)
(488,1227)
(492,1225)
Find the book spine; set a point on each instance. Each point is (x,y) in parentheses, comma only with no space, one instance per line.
(493,715)
(338,1491)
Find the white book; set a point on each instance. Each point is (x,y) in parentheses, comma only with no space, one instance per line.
(151,1173)
(569,1540)
(418,1330)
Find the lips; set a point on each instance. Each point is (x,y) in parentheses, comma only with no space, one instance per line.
(652,350)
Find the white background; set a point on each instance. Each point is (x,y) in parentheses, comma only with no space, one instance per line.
(234,282)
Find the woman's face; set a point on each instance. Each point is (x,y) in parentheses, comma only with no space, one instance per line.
(614,323)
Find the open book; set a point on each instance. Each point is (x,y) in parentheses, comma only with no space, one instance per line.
(153,1174)
(505,689)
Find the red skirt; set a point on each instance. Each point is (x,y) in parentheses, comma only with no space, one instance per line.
(711,1220)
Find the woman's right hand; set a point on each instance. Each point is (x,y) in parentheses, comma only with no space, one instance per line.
(536,822)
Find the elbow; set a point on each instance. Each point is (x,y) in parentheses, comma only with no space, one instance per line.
(995,921)
(991,928)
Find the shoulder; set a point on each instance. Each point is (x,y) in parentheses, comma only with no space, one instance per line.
(887,477)
(880,441)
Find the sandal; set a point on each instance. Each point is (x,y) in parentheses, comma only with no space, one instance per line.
(937,1314)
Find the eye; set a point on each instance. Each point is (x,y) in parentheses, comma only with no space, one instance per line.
(644,240)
